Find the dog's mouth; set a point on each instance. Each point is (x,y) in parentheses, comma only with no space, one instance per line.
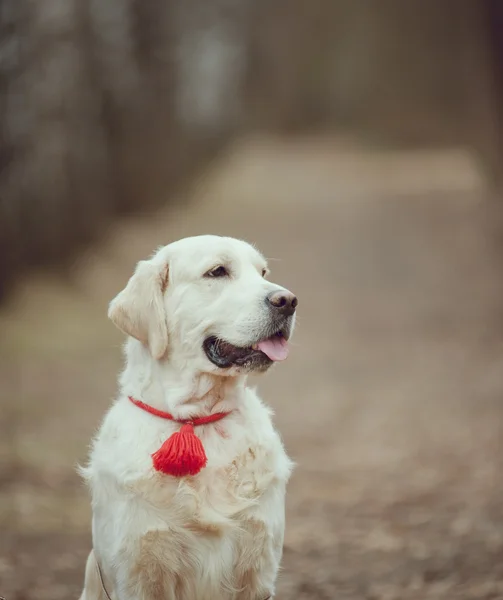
(259,356)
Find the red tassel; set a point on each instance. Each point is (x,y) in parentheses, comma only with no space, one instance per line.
(181,454)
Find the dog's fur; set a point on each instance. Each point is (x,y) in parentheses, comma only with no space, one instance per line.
(217,535)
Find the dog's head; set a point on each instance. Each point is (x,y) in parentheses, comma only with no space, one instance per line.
(206,300)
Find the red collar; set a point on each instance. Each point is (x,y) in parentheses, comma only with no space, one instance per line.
(183,453)
(166,415)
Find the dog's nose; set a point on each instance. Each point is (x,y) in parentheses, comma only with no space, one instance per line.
(283,302)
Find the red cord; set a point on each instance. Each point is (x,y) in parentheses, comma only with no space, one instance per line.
(166,415)
(183,453)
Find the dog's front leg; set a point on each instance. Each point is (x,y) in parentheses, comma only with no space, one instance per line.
(154,583)
(258,568)
(156,566)
(93,585)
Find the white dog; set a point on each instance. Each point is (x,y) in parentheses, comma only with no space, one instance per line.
(187,472)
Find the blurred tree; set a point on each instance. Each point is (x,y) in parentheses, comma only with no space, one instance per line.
(106,106)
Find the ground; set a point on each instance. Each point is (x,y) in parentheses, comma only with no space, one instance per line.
(390,403)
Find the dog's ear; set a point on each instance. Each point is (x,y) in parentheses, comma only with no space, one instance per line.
(139,309)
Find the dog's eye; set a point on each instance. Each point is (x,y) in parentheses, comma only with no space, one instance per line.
(220,271)
(264,272)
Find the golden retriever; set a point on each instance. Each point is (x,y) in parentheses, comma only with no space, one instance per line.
(187,473)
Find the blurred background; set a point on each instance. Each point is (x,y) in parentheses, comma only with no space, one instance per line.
(359,145)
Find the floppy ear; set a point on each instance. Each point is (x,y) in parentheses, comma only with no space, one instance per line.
(139,309)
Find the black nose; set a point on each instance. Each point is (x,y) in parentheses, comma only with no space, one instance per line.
(283,302)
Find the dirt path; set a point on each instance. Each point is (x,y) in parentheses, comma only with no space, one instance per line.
(391,402)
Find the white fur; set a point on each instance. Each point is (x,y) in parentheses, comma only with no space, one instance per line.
(218,535)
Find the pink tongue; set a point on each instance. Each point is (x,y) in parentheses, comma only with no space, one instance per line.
(276,348)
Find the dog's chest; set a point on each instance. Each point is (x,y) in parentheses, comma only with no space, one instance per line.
(249,474)
(220,494)
(229,519)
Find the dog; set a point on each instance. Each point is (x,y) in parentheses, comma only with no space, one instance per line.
(187,473)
